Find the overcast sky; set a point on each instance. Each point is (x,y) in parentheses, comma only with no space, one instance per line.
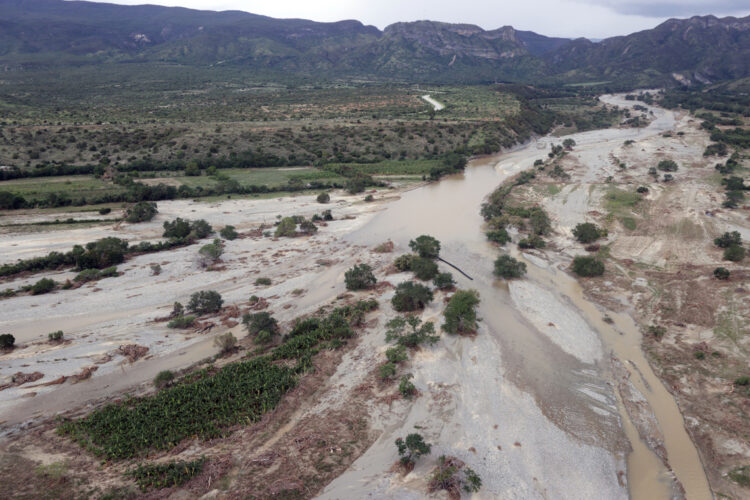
(568,18)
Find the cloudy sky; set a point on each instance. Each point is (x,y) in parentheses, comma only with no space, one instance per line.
(569,18)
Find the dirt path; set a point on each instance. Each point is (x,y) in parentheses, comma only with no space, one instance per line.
(435,104)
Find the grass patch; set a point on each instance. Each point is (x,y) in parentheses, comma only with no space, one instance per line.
(628,223)
(392,167)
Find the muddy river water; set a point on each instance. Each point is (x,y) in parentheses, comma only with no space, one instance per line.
(574,393)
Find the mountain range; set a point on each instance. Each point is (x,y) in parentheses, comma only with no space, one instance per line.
(53,33)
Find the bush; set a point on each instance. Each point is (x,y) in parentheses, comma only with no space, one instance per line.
(533,241)
(425,246)
(262,281)
(210,253)
(163,378)
(588,233)
(225,342)
(657,331)
(42,286)
(55,336)
(411,296)
(667,166)
(735,253)
(721,273)
(726,240)
(260,322)
(406,388)
(424,269)
(228,233)
(99,254)
(452,475)
(7,341)
(369,198)
(387,371)
(185,229)
(743,380)
(181,322)
(155,269)
(205,302)
(403,262)
(287,227)
(507,267)
(165,475)
(500,236)
(396,354)
(142,211)
(587,266)
(412,448)
(87,275)
(359,277)
(539,221)
(327,215)
(444,281)
(641,190)
(308,227)
(410,332)
(105,211)
(323,198)
(460,314)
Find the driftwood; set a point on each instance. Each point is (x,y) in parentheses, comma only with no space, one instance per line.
(456,268)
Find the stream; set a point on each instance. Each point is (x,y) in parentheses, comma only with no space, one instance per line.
(573,389)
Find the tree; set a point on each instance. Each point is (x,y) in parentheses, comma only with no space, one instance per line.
(587,266)
(444,281)
(185,229)
(726,240)
(225,342)
(323,198)
(260,322)
(43,286)
(539,221)
(287,227)
(735,253)
(228,233)
(424,269)
(667,166)
(452,475)
(460,314)
(568,144)
(142,211)
(721,273)
(192,169)
(210,253)
(425,246)
(507,267)
(7,341)
(411,296)
(99,254)
(406,387)
(308,227)
(588,232)
(409,331)
(204,302)
(359,277)
(533,241)
(411,449)
(499,236)
(403,262)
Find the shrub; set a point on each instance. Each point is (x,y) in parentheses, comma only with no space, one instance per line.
(260,322)
(588,233)
(500,236)
(412,448)
(105,211)
(262,281)
(424,269)
(211,252)
(396,354)
(406,388)
(225,342)
(726,240)
(539,221)
(369,198)
(308,227)
(163,378)
(323,198)
(411,296)
(287,227)
(507,267)
(205,302)
(721,273)
(327,215)
(359,277)
(228,233)
(587,266)
(410,332)
(87,275)
(155,269)
(667,166)
(165,475)
(403,262)
(735,253)
(7,341)
(452,475)
(181,322)
(55,336)
(657,331)
(185,229)
(142,211)
(425,246)
(387,371)
(444,281)
(533,241)
(743,380)
(460,314)
(42,286)
(99,254)
(641,190)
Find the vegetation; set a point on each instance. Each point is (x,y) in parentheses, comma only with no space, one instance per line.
(403,262)
(452,475)
(211,252)
(7,341)
(228,232)
(55,336)
(533,241)
(396,354)
(165,475)
(95,274)
(423,268)
(182,322)
(142,211)
(411,296)
(667,166)
(205,302)
(727,240)
(262,281)
(359,277)
(411,449)
(410,332)
(460,314)
(507,267)
(387,371)
(44,285)
(163,378)
(425,246)
(406,387)
(735,253)
(588,266)
(186,229)
(499,236)
(588,232)
(226,342)
(323,198)
(261,325)
(444,281)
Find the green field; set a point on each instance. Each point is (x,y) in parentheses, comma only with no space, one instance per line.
(72,185)
(391,167)
(271,177)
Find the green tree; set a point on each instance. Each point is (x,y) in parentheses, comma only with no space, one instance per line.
(323,198)
(359,277)
(499,236)
(667,166)
(588,266)
(7,341)
(507,267)
(587,232)
(204,302)
(444,281)
(228,233)
(424,269)
(726,240)
(425,246)
(409,331)
(260,322)
(735,253)
(44,285)
(287,227)
(411,449)
(460,313)
(411,296)
(403,262)
(142,211)
(721,273)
